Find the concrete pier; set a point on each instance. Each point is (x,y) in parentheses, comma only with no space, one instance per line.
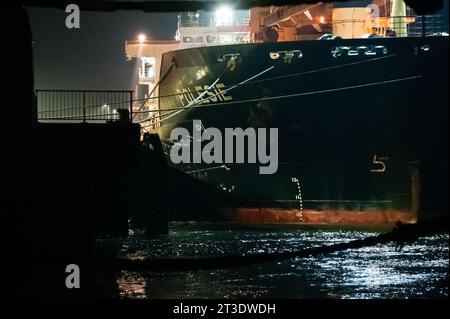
(86,183)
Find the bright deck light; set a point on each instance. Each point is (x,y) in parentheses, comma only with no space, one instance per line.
(142,37)
(224,16)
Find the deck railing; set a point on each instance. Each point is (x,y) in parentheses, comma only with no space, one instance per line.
(82,105)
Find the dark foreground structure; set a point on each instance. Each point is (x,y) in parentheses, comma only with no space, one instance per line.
(86,180)
(370,150)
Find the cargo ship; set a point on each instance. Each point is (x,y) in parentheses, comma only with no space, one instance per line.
(358,95)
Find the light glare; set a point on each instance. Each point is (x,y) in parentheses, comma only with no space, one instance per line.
(224,16)
(142,37)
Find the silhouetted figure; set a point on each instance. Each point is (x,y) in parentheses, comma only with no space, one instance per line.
(269,35)
(390,33)
(124,115)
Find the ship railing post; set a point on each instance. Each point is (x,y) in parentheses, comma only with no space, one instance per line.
(423,26)
(84,106)
(131,106)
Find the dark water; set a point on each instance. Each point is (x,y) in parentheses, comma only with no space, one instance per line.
(419,270)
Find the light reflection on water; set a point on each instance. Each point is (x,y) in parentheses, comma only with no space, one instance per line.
(419,270)
(131,285)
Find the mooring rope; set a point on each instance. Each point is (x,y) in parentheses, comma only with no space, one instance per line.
(401,235)
(282,76)
(268,98)
(190,105)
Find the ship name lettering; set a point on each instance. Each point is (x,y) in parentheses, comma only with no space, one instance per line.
(201,95)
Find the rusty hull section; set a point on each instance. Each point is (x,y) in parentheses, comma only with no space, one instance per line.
(314,217)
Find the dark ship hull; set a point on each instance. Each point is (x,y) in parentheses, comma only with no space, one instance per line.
(360,123)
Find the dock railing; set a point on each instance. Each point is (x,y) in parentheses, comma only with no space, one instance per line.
(87,106)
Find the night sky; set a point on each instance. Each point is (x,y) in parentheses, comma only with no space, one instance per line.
(92,57)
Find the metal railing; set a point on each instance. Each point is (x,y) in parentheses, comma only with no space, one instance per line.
(82,105)
(209,19)
(426,25)
(212,23)
(402,26)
